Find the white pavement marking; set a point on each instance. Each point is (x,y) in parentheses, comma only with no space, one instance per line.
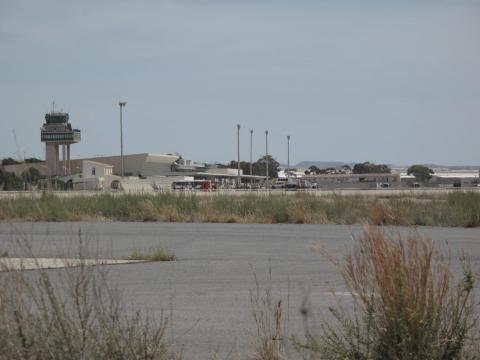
(11,264)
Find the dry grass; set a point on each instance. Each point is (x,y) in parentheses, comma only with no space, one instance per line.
(407,303)
(158,254)
(269,320)
(456,209)
(74,314)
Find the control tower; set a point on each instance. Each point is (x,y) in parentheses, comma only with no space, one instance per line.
(56,132)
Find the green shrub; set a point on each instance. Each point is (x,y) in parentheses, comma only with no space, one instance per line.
(464,209)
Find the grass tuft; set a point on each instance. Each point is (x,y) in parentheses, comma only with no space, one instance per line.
(158,254)
(268,313)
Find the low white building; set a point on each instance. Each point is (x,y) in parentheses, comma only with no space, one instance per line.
(456,179)
(282,174)
(95,169)
(94,176)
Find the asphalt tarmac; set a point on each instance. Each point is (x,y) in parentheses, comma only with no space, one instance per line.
(206,292)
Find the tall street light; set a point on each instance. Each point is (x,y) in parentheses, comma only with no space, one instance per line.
(121,104)
(251,153)
(266,158)
(288,157)
(238,156)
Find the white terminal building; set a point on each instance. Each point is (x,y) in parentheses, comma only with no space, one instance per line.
(142,171)
(145,172)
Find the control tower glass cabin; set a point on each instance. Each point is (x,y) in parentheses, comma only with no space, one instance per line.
(57,132)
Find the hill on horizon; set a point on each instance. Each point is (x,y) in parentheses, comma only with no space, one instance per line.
(333,164)
(320,164)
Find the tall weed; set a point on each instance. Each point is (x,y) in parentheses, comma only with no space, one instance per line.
(407,304)
(73,313)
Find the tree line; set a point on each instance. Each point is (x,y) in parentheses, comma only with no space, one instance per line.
(11,161)
(360,168)
(259,167)
(28,178)
(421,172)
(9,181)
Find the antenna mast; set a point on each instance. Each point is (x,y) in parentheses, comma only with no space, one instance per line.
(19,153)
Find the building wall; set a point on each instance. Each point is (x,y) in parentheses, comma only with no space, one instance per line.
(224,171)
(157,164)
(95,169)
(52,158)
(136,164)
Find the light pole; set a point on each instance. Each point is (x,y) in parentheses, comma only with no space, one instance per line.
(266,158)
(121,104)
(238,156)
(251,153)
(288,157)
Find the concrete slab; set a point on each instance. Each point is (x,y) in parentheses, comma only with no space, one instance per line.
(11,264)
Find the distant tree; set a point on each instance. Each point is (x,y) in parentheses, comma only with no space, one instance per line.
(54,184)
(31,176)
(221,166)
(371,168)
(421,172)
(9,161)
(32,160)
(259,167)
(8,181)
(176,164)
(314,170)
(179,160)
(244,166)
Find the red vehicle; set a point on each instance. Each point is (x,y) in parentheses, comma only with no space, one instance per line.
(204,185)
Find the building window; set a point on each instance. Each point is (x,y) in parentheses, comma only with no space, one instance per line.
(93,171)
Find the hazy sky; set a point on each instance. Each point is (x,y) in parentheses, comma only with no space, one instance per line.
(384,81)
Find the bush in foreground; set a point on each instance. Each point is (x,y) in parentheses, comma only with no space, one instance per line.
(406,304)
(74,314)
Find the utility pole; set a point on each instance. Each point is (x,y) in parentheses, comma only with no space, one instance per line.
(251,153)
(121,104)
(266,158)
(288,157)
(238,157)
